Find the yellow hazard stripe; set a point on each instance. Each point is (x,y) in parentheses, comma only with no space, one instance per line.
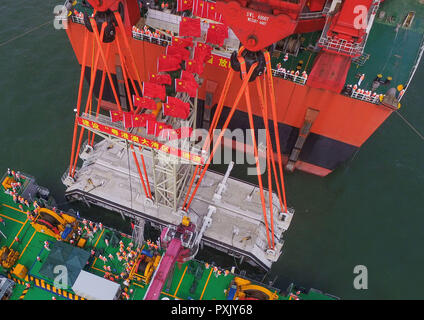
(23,294)
(43,284)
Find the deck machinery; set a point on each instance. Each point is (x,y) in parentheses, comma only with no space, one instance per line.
(106,264)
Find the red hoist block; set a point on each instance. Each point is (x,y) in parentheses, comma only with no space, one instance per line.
(255,30)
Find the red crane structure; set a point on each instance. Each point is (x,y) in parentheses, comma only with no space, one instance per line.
(257,24)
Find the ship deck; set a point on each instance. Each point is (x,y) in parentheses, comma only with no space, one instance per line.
(210,285)
(392,50)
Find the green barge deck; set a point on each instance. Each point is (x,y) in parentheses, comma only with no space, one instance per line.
(33,274)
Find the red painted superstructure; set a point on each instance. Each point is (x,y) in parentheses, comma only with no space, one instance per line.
(342,119)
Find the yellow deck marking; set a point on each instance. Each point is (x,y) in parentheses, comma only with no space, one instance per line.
(139,285)
(99,238)
(116,275)
(95,258)
(23,225)
(98,269)
(5,205)
(112,274)
(94,262)
(171,295)
(181,280)
(28,243)
(206,284)
(12,219)
(307,63)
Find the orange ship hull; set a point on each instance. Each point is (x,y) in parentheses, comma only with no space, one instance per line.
(342,126)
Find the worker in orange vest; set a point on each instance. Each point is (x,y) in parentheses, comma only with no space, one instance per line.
(361,78)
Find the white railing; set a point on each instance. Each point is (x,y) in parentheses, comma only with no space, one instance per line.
(346,47)
(316,15)
(311,15)
(164,16)
(367,96)
(375,6)
(168,21)
(342,46)
(289,75)
(138,35)
(78,19)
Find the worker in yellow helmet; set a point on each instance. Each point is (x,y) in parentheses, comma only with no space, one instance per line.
(401,90)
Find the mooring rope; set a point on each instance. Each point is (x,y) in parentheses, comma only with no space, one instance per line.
(419,134)
(25,33)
